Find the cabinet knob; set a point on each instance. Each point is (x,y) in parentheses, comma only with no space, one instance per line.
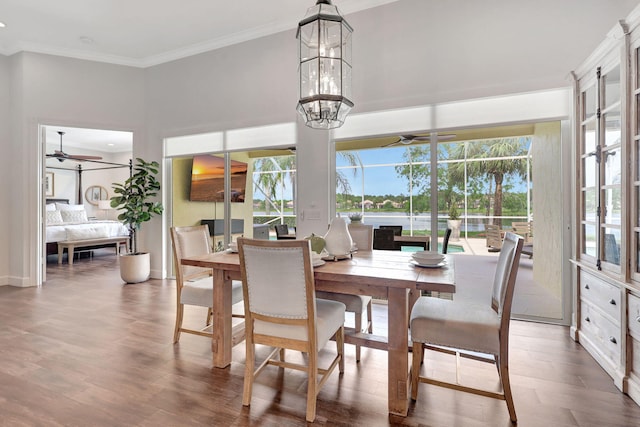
(612,301)
(638,319)
(586,286)
(613,340)
(589,320)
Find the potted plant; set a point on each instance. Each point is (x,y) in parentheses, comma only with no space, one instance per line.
(454,220)
(132,199)
(355,217)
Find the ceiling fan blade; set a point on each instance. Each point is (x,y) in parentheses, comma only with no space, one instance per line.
(81,157)
(61,155)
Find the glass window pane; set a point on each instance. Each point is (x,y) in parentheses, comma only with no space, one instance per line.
(637,55)
(638,115)
(590,205)
(274,190)
(612,132)
(611,205)
(589,240)
(637,252)
(589,102)
(637,165)
(612,87)
(612,245)
(589,137)
(589,172)
(637,213)
(612,166)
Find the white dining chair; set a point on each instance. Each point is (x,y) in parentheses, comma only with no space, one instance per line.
(362,236)
(195,284)
(478,330)
(282,311)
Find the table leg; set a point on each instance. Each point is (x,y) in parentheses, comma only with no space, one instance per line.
(221,343)
(398,357)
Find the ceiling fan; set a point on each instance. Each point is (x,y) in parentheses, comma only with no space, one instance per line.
(62,156)
(408,139)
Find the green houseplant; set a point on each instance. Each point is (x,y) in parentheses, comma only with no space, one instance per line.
(355,217)
(132,199)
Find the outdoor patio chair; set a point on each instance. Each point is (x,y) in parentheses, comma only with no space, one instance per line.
(282,232)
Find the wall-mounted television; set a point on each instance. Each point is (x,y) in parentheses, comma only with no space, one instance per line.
(207,179)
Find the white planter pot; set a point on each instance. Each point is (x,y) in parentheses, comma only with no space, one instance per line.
(454,225)
(135,268)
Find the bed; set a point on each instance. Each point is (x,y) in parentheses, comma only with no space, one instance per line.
(67,222)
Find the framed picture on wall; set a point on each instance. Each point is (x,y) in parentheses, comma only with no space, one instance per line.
(48,185)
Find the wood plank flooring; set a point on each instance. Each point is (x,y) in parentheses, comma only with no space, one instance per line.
(87,350)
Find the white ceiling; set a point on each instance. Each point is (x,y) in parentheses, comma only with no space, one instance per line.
(143,33)
(79,140)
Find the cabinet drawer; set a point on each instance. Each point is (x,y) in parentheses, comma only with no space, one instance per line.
(634,319)
(602,331)
(601,294)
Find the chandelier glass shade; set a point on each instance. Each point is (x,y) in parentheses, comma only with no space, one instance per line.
(324,41)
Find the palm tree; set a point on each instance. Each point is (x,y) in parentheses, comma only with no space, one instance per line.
(342,182)
(270,175)
(492,159)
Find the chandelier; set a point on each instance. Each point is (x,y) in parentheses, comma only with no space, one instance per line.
(324,67)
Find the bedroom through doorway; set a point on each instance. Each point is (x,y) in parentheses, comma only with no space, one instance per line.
(79,168)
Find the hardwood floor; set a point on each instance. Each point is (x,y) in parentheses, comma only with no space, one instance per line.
(87,350)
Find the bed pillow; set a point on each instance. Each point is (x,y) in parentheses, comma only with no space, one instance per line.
(51,207)
(66,207)
(74,216)
(54,217)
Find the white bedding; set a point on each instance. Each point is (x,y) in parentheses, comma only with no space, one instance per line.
(85,230)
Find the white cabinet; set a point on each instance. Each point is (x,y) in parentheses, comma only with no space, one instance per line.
(634,346)
(600,323)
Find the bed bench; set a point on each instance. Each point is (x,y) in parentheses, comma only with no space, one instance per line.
(102,242)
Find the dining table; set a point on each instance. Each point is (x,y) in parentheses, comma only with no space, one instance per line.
(386,275)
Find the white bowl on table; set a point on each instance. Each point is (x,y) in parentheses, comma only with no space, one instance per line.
(233,246)
(428,257)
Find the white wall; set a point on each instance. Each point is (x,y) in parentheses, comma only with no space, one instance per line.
(416,52)
(5,161)
(67,92)
(406,53)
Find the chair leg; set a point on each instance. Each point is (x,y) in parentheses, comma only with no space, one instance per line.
(340,348)
(248,372)
(179,316)
(417,356)
(370,317)
(312,384)
(506,387)
(358,328)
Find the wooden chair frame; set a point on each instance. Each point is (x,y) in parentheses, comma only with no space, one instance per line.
(364,241)
(308,346)
(501,360)
(187,274)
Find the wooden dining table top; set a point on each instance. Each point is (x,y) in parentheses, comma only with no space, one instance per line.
(375,268)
